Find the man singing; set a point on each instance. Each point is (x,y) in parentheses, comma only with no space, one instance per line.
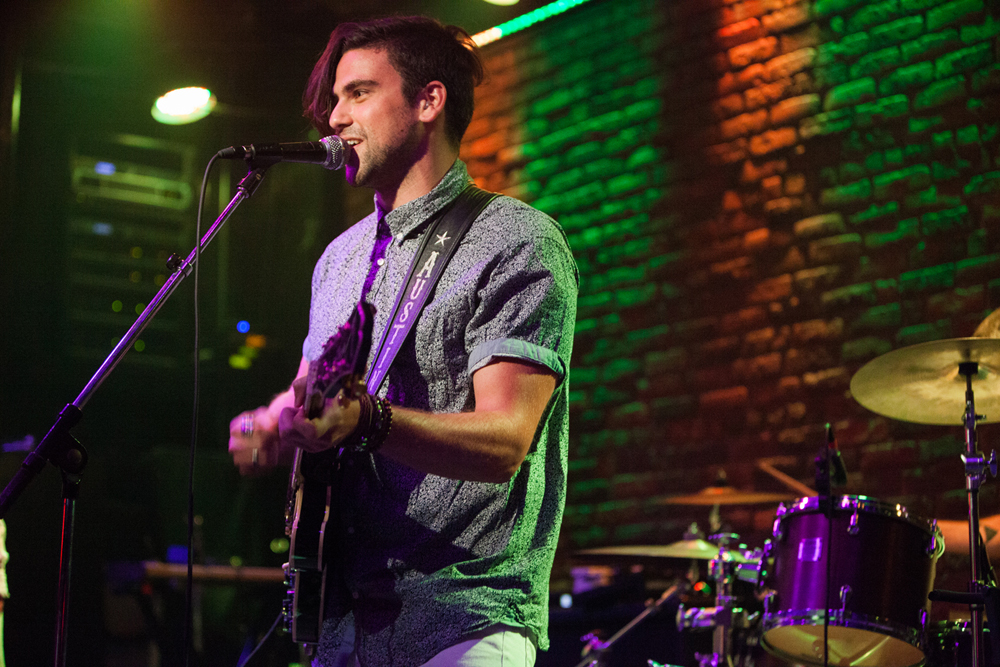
(453,479)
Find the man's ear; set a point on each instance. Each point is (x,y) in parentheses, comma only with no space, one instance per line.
(430,101)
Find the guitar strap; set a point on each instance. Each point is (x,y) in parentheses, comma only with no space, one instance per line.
(436,249)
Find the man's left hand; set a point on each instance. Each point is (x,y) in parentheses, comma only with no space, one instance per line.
(337,421)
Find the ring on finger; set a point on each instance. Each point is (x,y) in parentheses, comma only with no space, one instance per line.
(254,456)
(246,425)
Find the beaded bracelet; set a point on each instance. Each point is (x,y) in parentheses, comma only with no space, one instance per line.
(374,422)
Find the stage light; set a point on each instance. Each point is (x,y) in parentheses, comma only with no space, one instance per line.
(525,21)
(184,105)
(503,3)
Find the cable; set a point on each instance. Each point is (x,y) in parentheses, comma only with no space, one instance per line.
(189,589)
(243,661)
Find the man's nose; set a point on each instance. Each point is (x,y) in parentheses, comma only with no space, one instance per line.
(339,119)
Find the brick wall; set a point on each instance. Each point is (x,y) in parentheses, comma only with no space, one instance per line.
(762,196)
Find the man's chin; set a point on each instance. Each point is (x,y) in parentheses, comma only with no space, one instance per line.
(351,176)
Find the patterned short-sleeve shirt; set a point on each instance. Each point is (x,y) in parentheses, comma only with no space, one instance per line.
(424,560)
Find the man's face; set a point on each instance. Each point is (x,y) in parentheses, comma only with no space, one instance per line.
(373,117)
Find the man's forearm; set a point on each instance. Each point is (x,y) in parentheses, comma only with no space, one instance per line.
(472,446)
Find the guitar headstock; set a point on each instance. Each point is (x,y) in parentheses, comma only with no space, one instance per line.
(342,362)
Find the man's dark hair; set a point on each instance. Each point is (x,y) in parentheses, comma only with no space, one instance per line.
(420,49)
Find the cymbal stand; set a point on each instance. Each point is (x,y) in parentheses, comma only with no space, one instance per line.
(725,615)
(723,569)
(976,467)
(597,649)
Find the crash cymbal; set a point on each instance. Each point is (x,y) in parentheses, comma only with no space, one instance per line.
(727,495)
(683,550)
(921,383)
(990,327)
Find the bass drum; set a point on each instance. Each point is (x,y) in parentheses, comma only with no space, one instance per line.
(880,564)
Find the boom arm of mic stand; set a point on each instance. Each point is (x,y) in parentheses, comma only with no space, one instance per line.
(58,446)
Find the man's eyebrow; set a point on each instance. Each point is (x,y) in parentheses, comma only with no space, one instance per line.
(357,83)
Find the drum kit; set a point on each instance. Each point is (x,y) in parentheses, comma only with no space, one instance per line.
(848,579)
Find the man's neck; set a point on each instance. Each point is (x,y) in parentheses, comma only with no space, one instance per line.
(420,179)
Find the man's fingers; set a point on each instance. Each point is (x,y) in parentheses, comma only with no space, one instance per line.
(286,420)
(299,388)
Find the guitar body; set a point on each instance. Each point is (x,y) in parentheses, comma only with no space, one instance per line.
(309,512)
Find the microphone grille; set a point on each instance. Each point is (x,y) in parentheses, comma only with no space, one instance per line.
(334,152)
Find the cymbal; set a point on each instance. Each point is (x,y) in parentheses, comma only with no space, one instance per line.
(727,495)
(683,550)
(990,327)
(921,383)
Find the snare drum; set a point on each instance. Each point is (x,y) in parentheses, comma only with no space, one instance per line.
(881,568)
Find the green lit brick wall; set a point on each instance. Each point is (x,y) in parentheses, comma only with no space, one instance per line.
(762,196)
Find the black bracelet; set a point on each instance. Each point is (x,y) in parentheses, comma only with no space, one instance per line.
(381,423)
(374,422)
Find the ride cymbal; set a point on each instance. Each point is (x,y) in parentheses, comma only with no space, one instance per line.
(922,383)
(684,550)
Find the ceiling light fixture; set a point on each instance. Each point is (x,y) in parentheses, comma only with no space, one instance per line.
(184,105)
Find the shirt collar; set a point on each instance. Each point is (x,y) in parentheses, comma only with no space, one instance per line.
(407,218)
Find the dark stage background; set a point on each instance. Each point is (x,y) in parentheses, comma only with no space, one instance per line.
(762,196)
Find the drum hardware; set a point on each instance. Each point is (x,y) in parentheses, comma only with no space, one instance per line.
(701,618)
(933,546)
(726,565)
(852,525)
(596,651)
(948,644)
(921,384)
(727,615)
(754,569)
(844,595)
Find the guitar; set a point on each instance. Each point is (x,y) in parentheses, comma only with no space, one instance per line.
(310,490)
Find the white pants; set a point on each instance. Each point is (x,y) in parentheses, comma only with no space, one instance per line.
(496,646)
(499,646)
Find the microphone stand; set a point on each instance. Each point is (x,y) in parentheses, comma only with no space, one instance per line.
(60,448)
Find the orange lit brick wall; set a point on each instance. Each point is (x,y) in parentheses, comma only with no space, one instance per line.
(762,196)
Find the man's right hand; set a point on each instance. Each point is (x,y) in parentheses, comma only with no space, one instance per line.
(253,441)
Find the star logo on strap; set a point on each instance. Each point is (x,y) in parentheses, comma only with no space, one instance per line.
(441,238)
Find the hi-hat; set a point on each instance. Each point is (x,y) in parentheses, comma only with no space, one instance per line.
(727,495)
(684,550)
(922,383)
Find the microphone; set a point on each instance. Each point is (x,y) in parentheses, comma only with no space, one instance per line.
(830,470)
(838,473)
(327,152)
